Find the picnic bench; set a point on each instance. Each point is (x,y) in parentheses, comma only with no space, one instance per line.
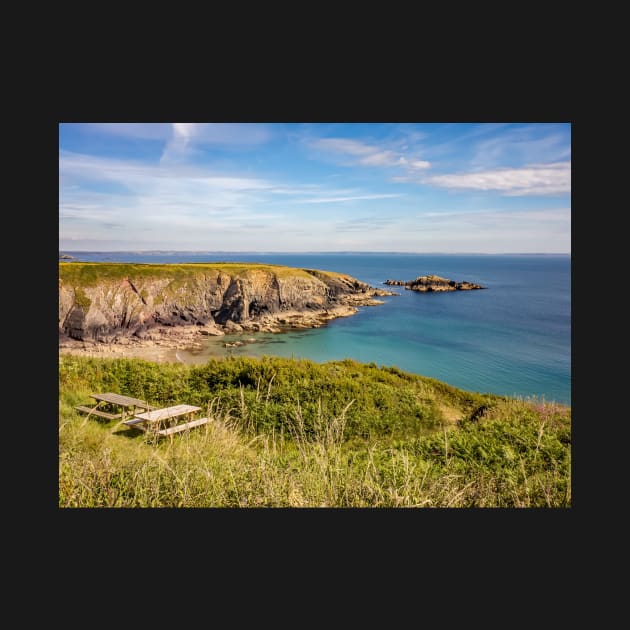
(125,403)
(168,418)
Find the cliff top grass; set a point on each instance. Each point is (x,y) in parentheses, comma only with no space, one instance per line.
(90,273)
(288,433)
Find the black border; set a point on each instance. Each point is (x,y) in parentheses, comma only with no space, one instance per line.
(433,538)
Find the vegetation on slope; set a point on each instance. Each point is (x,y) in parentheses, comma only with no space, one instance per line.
(92,273)
(292,433)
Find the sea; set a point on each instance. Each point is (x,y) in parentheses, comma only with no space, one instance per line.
(512,339)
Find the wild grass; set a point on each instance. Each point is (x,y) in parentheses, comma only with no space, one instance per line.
(81,274)
(288,433)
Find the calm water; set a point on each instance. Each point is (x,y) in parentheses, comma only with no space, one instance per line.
(513,339)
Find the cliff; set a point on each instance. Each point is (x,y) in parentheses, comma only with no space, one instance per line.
(112,301)
(425,284)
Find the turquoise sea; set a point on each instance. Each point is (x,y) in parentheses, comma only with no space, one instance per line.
(512,339)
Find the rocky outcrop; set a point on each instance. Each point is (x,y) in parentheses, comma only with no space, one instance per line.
(424,284)
(109,303)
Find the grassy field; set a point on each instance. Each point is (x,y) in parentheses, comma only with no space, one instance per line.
(288,433)
(80,274)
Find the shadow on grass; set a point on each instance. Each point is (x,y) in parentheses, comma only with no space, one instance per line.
(128,432)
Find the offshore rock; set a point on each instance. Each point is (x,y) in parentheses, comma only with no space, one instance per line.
(425,284)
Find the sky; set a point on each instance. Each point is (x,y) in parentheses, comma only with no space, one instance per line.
(315,187)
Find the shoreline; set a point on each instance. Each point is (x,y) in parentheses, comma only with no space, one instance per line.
(152,313)
(161,344)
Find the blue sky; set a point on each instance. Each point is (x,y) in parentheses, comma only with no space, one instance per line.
(298,187)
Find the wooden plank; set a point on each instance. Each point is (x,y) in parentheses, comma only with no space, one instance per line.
(123,401)
(182,427)
(96,412)
(168,412)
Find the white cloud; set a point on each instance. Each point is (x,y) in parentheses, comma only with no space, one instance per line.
(122,196)
(178,148)
(522,145)
(184,140)
(176,204)
(206,133)
(187,138)
(381,158)
(343,145)
(368,155)
(184,130)
(187,206)
(535,179)
(420,164)
(137,176)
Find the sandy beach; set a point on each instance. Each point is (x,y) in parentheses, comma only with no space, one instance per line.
(157,353)
(162,346)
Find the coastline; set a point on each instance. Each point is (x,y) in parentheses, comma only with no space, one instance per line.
(151,311)
(155,353)
(161,344)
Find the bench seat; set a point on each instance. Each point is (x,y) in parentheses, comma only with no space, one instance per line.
(182,427)
(97,412)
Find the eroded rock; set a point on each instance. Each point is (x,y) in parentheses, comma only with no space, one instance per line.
(142,307)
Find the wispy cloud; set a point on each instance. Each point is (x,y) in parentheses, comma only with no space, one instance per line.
(187,138)
(522,145)
(350,198)
(179,147)
(96,192)
(248,186)
(207,133)
(184,140)
(119,197)
(535,179)
(343,145)
(361,153)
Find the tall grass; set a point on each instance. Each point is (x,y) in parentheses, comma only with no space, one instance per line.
(266,448)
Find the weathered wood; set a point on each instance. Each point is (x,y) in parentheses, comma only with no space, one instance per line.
(97,412)
(182,427)
(123,401)
(168,412)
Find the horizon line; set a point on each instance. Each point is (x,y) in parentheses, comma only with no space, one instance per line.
(247,251)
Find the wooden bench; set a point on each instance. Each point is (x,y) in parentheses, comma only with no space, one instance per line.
(183,426)
(96,412)
(124,402)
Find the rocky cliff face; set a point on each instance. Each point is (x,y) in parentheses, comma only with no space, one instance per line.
(108,303)
(425,284)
